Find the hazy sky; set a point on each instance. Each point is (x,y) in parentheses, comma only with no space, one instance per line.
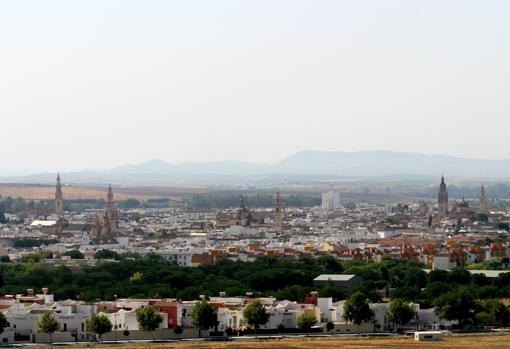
(96,84)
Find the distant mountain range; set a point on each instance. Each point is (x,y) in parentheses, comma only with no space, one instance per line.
(305,166)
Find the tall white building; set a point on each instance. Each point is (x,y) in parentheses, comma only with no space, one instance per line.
(331,200)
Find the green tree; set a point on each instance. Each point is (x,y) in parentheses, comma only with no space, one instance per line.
(48,324)
(458,304)
(36,257)
(106,254)
(334,292)
(255,315)
(331,264)
(3,219)
(330,326)
(357,309)
(459,276)
(155,259)
(3,322)
(24,243)
(178,330)
(129,203)
(493,312)
(400,313)
(481,217)
(280,328)
(306,322)
(99,324)
(74,254)
(137,276)
(503,226)
(495,264)
(148,320)
(204,316)
(483,318)
(500,313)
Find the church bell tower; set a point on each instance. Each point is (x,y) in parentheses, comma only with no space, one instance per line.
(442,199)
(59,200)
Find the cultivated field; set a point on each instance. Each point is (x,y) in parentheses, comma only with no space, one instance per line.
(44,192)
(70,193)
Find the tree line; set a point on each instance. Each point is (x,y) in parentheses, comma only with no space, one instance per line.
(258,200)
(283,278)
(23,207)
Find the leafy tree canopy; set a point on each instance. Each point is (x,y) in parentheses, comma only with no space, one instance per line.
(204,316)
(306,321)
(357,309)
(48,324)
(401,312)
(148,319)
(74,254)
(99,324)
(255,314)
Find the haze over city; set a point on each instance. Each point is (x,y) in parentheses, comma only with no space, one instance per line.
(100,84)
(288,174)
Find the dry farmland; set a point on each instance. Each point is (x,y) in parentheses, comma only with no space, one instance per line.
(449,342)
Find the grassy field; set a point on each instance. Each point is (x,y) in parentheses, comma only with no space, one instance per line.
(449,342)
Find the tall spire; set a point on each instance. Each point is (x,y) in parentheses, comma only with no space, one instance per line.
(278,213)
(111,215)
(483,200)
(58,188)
(442,198)
(59,199)
(110,194)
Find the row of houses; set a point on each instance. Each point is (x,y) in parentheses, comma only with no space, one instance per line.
(23,313)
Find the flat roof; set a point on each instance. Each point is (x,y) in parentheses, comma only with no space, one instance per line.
(489,273)
(43,223)
(334,277)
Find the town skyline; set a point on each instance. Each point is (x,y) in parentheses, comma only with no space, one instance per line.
(286,173)
(291,256)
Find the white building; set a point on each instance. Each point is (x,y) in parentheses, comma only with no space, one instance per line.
(229,318)
(327,310)
(286,313)
(331,200)
(126,320)
(72,316)
(388,234)
(441,262)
